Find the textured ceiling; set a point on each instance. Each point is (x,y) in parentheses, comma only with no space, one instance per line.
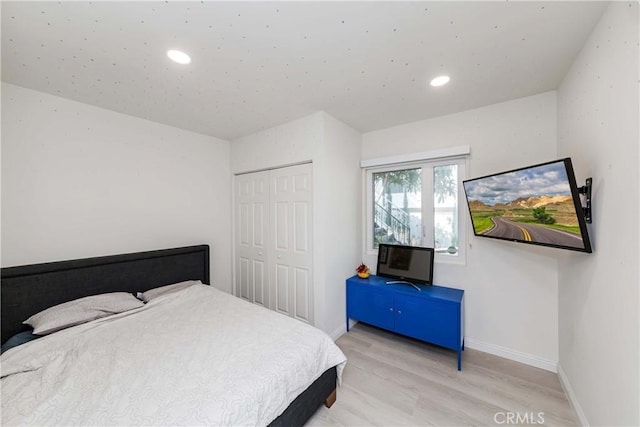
(260,64)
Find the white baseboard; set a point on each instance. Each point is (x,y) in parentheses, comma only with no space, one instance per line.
(566,385)
(338,332)
(341,330)
(507,353)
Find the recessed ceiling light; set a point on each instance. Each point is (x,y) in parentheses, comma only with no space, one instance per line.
(178,56)
(440,81)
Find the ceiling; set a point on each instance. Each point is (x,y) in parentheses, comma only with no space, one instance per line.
(259,64)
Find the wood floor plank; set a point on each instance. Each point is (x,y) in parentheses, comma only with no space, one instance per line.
(395,380)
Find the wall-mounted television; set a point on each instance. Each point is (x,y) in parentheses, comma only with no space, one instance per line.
(537,204)
(411,265)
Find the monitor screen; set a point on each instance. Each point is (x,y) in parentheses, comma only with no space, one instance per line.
(538,204)
(410,263)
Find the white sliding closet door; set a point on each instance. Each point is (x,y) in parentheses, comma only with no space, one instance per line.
(273,239)
(252,237)
(291,231)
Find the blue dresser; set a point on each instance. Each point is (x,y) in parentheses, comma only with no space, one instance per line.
(435,314)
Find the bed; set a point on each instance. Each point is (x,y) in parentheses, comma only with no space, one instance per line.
(204,323)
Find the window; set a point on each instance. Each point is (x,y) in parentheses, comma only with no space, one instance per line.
(418,204)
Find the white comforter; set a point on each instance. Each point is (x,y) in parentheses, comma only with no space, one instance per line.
(195,357)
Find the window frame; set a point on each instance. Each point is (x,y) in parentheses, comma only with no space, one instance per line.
(428,204)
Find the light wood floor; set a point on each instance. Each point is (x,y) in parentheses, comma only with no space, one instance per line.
(391,380)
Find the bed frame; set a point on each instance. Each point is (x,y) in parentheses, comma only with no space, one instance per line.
(29,289)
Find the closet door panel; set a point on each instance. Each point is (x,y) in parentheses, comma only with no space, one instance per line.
(282,288)
(251,237)
(259,276)
(260,212)
(300,230)
(281,225)
(291,196)
(243,279)
(302,285)
(273,240)
(244,219)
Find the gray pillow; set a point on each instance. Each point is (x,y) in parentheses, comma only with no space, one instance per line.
(80,311)
(168,289)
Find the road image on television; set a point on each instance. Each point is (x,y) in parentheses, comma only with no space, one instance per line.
(533,205)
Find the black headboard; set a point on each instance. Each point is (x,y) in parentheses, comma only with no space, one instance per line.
(28,289)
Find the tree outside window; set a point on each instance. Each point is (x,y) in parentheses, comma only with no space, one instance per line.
(406,212)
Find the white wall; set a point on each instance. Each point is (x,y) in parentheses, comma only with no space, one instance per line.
(293,142)
(598,293)
(80,181)
(333,148)
(510,288)
(342,218)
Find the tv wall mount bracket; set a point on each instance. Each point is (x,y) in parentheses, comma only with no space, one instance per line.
(586,191)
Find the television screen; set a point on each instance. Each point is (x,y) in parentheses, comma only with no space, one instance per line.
(538,204)
(410,263)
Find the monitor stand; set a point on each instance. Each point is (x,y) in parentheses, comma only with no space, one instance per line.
(403,282)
